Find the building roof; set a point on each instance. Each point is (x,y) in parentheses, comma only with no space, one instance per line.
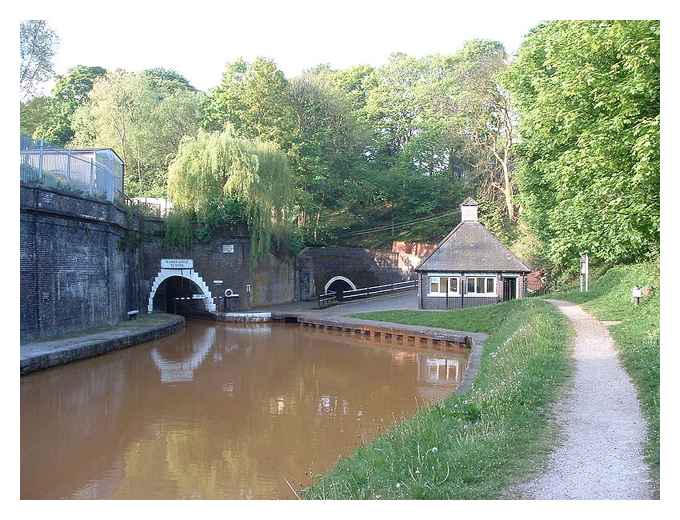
(471,247)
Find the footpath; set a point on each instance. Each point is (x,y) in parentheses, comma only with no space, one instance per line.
(602,430)
(45,354)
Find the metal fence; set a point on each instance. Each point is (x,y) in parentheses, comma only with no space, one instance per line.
(332,297)
(96,172)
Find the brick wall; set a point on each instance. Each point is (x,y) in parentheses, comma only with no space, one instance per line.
(74,274)
(317,265)
(271,281)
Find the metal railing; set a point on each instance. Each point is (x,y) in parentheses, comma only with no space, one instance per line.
(334,297)
(79,171)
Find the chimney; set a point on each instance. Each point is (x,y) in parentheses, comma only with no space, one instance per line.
(468,210)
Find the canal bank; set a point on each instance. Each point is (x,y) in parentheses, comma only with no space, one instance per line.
(470,445)
(59,351)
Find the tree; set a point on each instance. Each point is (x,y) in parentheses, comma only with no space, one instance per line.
(69,93)
(142,122)
(588,97)
(168,80)
(212,172)
(38,45)
(34,113)
(254,99)
(392,105)
(328,145)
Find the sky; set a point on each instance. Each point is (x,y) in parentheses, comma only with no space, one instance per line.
(297,35)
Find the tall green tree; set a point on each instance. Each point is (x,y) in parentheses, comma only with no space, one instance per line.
(254,98)
(328,145)
(38,45)
(34,113)
(69,93)
(142,122)
(588,97)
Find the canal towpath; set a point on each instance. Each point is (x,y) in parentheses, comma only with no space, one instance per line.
(601,427)
(40,355)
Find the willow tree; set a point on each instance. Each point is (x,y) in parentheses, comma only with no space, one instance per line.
(212,170)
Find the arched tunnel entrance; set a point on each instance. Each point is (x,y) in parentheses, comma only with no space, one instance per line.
(175,295)
(339,285)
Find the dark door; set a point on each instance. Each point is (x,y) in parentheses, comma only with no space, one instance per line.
(509,289)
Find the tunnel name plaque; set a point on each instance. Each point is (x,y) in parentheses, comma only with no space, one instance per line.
(177,263)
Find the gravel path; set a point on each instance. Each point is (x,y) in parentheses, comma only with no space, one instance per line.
(602,428)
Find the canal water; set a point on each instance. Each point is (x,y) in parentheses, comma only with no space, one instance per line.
(219,411)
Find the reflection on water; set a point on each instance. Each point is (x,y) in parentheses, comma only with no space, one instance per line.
(218,411)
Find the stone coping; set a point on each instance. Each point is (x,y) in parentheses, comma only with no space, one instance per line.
(46,354)
(456,336)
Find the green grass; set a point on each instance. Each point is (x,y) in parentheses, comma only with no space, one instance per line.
(637,337)
(476,319)
(470,446)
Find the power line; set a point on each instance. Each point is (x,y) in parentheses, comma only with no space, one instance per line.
(399,225)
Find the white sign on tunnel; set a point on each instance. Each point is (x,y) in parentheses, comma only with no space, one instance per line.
(177,263)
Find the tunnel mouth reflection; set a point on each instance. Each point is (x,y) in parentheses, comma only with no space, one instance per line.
(220,411)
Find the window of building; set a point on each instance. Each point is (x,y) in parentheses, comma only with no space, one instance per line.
(443,285)
(481,285)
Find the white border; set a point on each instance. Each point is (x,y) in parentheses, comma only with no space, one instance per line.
(189,274)
(336,278)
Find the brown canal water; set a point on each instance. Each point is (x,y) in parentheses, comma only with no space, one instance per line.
(219,411)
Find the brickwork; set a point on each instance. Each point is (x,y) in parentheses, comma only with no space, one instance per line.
(227,260)
(73,273)
(317,265)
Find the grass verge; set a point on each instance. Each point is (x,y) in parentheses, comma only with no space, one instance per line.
(469,446)
(637,336)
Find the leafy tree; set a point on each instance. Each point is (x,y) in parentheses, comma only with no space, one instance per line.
(38,43)
(34,113)
(213,173)
(327,148)
(70,92)
(588,97)
(255,100)
(168,80)
(392,104)
(142,122)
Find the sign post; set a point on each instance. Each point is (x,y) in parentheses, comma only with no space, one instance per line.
(584,272)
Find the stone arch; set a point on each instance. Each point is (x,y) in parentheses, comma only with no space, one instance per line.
(335,279)
(189,274)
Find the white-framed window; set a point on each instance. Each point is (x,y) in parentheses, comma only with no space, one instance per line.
(441,285)
(480,285)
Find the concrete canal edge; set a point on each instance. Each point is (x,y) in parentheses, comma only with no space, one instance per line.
(472,340)
(46,354)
